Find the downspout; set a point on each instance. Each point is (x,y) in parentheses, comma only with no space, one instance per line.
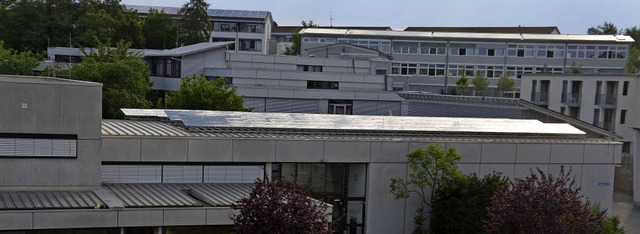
(446,68)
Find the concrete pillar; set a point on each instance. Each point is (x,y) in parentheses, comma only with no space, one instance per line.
(267,170)
(635,148)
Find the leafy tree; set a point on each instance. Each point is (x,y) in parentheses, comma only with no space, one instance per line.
(633,65)
(480,83)
(462,203)
(633,32)
(542,203)
(129,28)
(25,26)
(605,28)
(280,207)
(13,62)
(195,26)
(506,83)
(95,27)
(575,68)
(62,15)
(296,39)
(198,93)
(430,167)
(159,31)
(462,84)
(125,78)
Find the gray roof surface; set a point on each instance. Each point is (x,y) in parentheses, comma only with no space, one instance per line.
(472,36)
(45,80)
(179,195)
(186,50)
(222,13)
(40,200)
(354,123)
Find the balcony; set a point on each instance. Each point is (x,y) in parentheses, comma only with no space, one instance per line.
(607,100)
(540,98)
(572,99)
(606,125)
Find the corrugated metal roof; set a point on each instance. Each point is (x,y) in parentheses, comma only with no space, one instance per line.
(186,50)
(141,128)
(520,29)
(40,200)
(471,36)
(218,13)
(179,195)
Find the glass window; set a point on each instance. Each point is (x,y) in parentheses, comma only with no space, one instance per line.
(521,51)
(463,49)
(433,48)
(404,68)
(405,47)
(251,44)
(224,26)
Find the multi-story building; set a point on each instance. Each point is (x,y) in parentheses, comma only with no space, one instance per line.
(249,30)
(283,35)
(433,61)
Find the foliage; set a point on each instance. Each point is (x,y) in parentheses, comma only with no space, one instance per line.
(195,26)
(419,221)
(506,83)
(198,93)
(605,28)
(462,203)
(612,225)
(480,82)
(633,32)
(575,68)
(280,207)
(17,63)
(125,78)
(296,39)
(633,65)
(159,31)
(542,203)
(25,26)
(462,84)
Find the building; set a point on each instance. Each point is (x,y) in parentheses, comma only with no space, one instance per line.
(249,30)
(178,171)
(283,35)
(431,61)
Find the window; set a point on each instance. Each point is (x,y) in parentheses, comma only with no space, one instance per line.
(612,52)
(67,59)
(518,71)
(312,84)
(491,52)
(309,68)
(490,71)
(625,88)
(404,68)
(380,45)
(381,71)
(224,26)
(250,45)
(623,116)
(38,145)
(156,173)
(433,48)
(521,51)
(318,40)
(549,70)
(626,147)
(432,69)
(550,51)
(405,47)
(250,27)
(458,70)
(340,107)
(463,49)
(596,117)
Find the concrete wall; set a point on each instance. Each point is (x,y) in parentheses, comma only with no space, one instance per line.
(33,105)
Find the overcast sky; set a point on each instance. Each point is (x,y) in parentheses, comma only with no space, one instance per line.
(571,16)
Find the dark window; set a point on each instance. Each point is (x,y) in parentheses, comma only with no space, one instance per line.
(626,147)
(623,116)
(309,68)
(520,53)
(340,107)
(625,88)
(68,59)
(312,84)
(491,52)
(381,71)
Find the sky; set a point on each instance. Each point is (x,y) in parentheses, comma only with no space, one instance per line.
(571,16)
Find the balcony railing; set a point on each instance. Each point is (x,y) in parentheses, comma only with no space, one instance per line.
(572,99)
(606,100)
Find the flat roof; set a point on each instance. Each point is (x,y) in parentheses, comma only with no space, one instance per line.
(469,36)
(179,195)
(45,80)
(46,200)
(186,50)
(218,13)
(354,123)
(519,29)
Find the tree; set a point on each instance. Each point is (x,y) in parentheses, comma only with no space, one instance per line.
(280,207)
(13,62)
(505,83)
(462,84)
(575,68)
(633,32)
(429,168)
(296,39)
(159,31)
(633,65)
(605,28)
(95,27)
(198,93)
(195,26)
(480,83)
(125,78)
(542,203)
(26,26)
(462,203)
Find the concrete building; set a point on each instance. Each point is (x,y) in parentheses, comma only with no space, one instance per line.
(178,171)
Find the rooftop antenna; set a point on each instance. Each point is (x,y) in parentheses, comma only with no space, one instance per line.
(331,18)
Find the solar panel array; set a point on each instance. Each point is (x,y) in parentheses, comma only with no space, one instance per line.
(228,119)
(237,13)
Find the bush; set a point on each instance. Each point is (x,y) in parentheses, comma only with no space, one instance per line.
(461,203)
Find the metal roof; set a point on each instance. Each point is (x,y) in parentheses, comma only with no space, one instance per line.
(179,195)
(40,200)
(141,128)
(519,29)
(356,123)
(472,36)
(218,13)
(186,50)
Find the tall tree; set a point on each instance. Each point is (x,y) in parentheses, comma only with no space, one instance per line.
(195,26)
(26,26)
(633,32)
(462,84)
(61,15)
(296,39)
(129,28)
(94,27)
(159,31)
(198,93)
(480,83)
(125,78)
(505,83)
(13,62)
(605,28)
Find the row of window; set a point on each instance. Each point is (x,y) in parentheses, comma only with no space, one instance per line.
(486,50)
(468,70)
(244,44)
(238,27)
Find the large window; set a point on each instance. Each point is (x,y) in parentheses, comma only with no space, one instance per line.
(380,45)
(165,67)
(340,107)
(250,27)
(612,52)
(463,49)
(405,47)
(320,40)
(458,70)
(250,45)
(404,68)
(37,145)
(433,48)
(150,173)
(313,84)
(432,69)
(600,52)
(527,51)
(225,26)
(550,51)
(518,71)
(490,71)
(222,39)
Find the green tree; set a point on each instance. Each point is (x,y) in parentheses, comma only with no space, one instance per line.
(195,26)
(129,28)
(13,62)
(95,27)
(25,26)
(159,31)
(633,32)
(462,203)
(62,15)
(124,75)
(296,39)
(198,93)
(462,84)
(575,68)
(429,168)
(480,83)
(505,83)
(605,28)
(633,65)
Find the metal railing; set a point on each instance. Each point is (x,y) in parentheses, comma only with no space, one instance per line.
(572,99)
